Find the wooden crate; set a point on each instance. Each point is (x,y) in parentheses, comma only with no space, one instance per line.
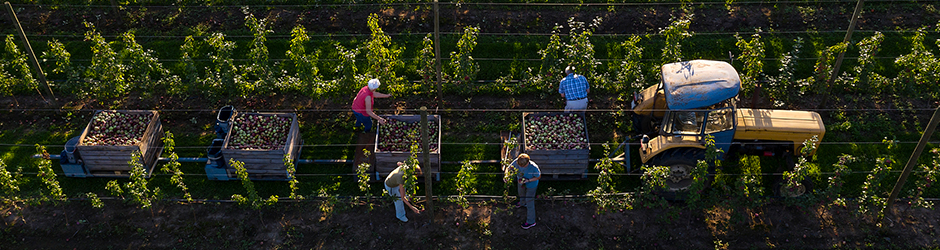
(265,164)
(112,160)
(385,161)
(558,163)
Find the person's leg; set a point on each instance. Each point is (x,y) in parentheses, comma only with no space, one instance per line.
(569,106)
(520,194)
(399,205)
(530,206)
(364,120)
(579,105)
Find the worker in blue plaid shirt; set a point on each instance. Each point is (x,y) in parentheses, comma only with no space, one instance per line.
(574,88)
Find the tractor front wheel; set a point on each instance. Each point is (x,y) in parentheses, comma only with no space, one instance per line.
(682,163)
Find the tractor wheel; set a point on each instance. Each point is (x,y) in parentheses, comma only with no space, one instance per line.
(781,190)
(681,163)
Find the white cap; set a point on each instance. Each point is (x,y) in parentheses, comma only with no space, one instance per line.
(569,70)
(374,84)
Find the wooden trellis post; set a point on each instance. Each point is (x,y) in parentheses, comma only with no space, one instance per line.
(425,154)
(29,52)
(848,38)
(437,51)
(931,127)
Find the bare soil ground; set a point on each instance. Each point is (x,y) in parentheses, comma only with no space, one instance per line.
(561,225)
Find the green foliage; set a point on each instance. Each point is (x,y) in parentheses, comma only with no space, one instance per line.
(143,69)
(252,199)
(577,51)
(384,59)
(362,171)
(94,200)
(426,64)
(654,180)
(629,75)
(348,79)
(187,64)
(785,84)
(465,182)
(796,179)
(63,64)
(9,186)
(291,171)
(50,191)
(677,32)
(462,70)
(919,76)
(305,64)
(15,61)
(327,207)
(866,79)
(105,77)
(409,176)
(872,201)
(831,194)
(603,195)
(696,192)
(824,67)
(222,77)
(173,166)
(137,188)
(259,74)
(509,172)
(926,178)
(752,53)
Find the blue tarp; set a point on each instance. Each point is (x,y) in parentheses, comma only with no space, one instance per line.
(699,83)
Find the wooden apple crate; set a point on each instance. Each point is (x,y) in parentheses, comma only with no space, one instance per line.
(561,163)
(264,164)
(386,161)
(113,160)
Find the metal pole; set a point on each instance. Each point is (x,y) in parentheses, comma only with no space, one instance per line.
(29,53)
(425,155)
(931,127)
(437,51)
(847,39)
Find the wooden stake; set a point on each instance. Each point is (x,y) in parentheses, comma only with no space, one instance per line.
(931,127)
(847,39)
(37,70)
(437,52)
(426,152)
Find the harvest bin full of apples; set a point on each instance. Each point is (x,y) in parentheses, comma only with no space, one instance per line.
(557,142)
(261,141)
(109,141)
(394,138)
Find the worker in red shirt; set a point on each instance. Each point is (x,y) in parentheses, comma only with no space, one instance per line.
(362,105)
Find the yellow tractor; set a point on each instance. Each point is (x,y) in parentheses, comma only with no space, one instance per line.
(697,98)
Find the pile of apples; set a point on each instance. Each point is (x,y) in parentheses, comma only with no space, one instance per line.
(113,128)
(397,135)
(555,132)
(259,132)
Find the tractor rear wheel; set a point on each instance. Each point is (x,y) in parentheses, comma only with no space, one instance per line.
(681,162)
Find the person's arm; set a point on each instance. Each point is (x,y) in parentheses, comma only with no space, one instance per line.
(538,173)
(380,95)
(401,190)
(372,114)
